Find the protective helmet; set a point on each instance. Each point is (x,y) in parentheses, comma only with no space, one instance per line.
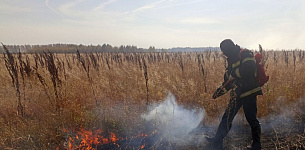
(228,48)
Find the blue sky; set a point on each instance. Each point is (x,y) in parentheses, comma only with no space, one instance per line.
(275,24)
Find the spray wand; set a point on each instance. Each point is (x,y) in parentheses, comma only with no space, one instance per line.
(230,79)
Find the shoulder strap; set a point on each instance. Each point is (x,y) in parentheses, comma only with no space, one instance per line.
(240,53)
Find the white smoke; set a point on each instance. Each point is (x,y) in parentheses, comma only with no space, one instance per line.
(286,114)
(173,120)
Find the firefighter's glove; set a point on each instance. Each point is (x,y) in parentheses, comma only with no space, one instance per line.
(219,91)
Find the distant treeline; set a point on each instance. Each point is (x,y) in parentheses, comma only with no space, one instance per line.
(72,48)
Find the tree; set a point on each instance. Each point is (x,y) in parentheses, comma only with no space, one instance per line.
(151,49)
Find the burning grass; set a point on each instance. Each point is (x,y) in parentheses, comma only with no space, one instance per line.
(98,100)
(87,140)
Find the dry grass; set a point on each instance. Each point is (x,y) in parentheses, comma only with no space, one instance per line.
(109,91)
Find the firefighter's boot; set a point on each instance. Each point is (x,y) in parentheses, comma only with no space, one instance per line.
(256,137)
(215,143)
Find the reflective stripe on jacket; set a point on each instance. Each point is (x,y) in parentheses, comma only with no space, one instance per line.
(244,71)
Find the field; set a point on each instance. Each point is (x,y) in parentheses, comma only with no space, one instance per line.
(141,101)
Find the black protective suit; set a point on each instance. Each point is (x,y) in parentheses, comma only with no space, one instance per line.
(244,89)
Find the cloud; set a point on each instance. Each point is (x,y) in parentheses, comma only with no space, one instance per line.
(279,35)
(94,16)
(13,9)
(165,23)
(52,9)
(167,4)
(147,7)
(182,3)
(103,5)
(198,21)
(67,9)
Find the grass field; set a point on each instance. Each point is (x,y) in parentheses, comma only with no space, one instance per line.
(96,100)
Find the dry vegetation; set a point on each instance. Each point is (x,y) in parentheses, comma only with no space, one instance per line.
(46,98)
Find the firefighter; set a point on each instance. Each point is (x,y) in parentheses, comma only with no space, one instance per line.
(240,78)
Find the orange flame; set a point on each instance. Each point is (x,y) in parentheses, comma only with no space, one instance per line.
(70,143)
(113,137)
(142,146)
(88,140)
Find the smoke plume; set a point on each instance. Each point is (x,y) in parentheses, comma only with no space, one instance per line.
(286,114)
(173,120)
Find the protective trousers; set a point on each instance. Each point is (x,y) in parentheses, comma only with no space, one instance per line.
(250,109)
